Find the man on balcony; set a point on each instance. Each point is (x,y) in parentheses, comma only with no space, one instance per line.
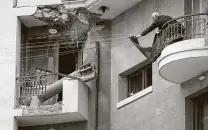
(153,52)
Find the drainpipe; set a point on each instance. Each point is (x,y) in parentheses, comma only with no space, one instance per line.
(14,3)
(97,83)
(84,4)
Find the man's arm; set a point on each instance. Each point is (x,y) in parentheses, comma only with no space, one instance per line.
(149,29)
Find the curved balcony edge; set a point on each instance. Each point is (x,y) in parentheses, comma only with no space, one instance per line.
(184,60)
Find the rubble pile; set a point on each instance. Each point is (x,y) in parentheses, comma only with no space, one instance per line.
(42,110)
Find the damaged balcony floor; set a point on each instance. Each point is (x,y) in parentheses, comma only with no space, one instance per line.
(42,110)
(46,114)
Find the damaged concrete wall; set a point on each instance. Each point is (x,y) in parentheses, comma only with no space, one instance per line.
(40,55)
(90,55)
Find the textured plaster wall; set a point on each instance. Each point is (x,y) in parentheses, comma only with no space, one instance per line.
(164,108)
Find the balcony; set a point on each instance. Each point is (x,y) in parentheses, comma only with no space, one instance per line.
(74,105)
(185,48)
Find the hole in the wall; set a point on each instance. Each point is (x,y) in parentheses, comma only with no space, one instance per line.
(67,64)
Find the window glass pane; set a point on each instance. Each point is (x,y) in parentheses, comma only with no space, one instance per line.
(136,83)
(139,80)
(148,77)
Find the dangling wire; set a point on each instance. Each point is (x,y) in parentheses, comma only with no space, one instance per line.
(77,38)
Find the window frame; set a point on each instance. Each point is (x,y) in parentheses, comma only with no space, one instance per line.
(142,70)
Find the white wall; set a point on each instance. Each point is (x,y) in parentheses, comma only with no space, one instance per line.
(10,34)
(36,2)
(8,27)
(75,97)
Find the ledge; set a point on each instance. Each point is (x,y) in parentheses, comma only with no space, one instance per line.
(134,97)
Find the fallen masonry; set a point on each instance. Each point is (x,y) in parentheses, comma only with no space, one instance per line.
(42,110)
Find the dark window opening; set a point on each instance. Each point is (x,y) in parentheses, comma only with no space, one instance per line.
(201,112)
(67,63)
(139,80)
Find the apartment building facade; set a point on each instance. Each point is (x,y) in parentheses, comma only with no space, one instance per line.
(129,92)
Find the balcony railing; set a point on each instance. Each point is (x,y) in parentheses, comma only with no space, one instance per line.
(183,28)
(183,44)
(31,86)
(72,108)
